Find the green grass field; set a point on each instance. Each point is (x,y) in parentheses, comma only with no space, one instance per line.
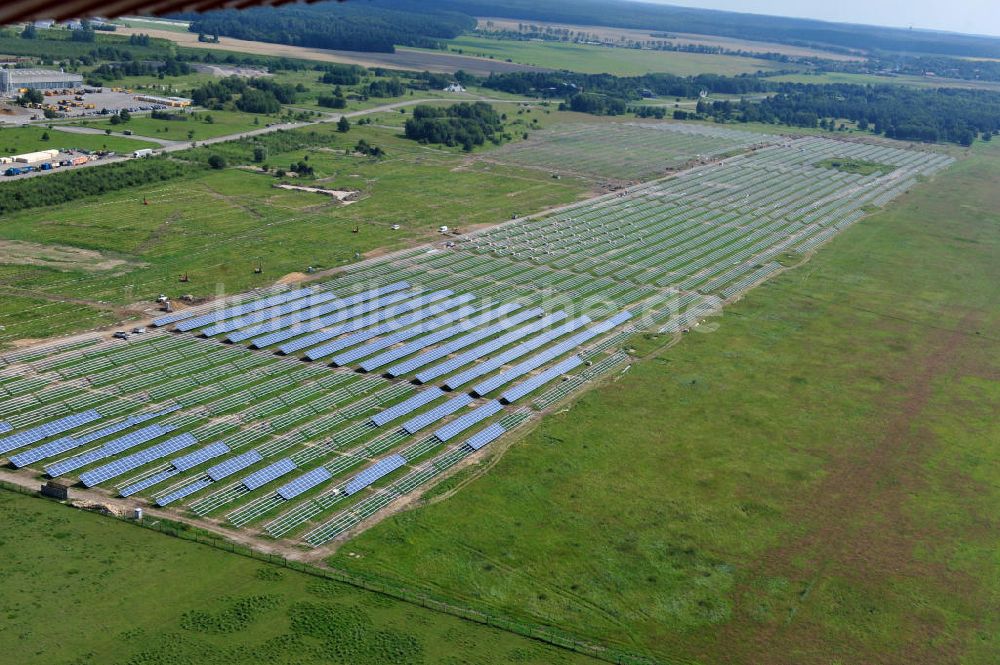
(212,227)
(156,599)
(812,482)
(16,140)
(599,60)
(222,123)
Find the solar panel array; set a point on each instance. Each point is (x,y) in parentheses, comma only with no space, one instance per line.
(233,465)
(187,490)
(381,468)
(407,406)
(540,379)
(36,434)
(421,421)
(485,436)
(135,460)
(464,422)
(5,427)
(113,447)
(191,460)
(206,319)
(269,473)
(304,483)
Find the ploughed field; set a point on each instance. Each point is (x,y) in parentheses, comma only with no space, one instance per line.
(416,362)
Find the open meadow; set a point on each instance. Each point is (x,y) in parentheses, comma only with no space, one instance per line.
(17,140)
(811,477)
(171,602)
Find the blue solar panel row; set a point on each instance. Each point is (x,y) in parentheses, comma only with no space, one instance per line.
(416,424)
(318,324)
(266,315)
(113,447)
(146,483)
(5,427)
(170,318)
(45,430)
(238,310)
(187,490)
(447,349)
(400,336)
(314,312)
(334,346)
(434,338)
(439,310)
(552,353)
(65,443)
(303,483)
(516,352)
(478,352)
(135,460)
(464,422)
(489,434)
(269,473)
(191,460)
(232,465)
(381,468)
(407,406)
(540,379)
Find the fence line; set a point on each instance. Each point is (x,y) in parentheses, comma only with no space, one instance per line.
(392,590)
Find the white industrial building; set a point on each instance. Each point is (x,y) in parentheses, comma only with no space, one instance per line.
(12,80)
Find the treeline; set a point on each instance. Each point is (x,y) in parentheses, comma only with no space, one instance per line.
(346,26)
(112,71)
(888,64)
(56,188)
(565,84)
(464,124)
(256,95)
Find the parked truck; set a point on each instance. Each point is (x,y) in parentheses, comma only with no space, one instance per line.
(145,152)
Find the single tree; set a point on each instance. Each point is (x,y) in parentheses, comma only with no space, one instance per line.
(343,125)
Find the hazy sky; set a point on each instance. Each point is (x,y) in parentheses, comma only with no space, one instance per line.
(972,16)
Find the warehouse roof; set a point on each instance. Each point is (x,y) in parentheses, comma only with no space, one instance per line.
(30,75)
(12,11)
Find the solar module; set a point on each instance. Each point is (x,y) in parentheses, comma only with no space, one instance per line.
(535,382)
(434,338)
(135,460)
(232,465)
(407,406)
(268,314)
(146,483)
(464,422)
(192,460)
(336,345)
(400,336)
(5,427)
(113,447)
(321,317)
(416,424)
(480,439)
(269,473)
(45,430)
(381,468)
(516,352)
(447,349)
(475,353)
(304,483)
(238,310)
(183,492)
(63,444)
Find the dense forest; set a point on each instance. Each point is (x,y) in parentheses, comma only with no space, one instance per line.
(564,84)
(345,26)
(467,125)
(256,95)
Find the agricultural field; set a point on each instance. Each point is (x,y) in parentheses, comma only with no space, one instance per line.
(625,150)
(872,79)
(812,477)
(213,226)
(228,609)
(17,140)
(604,60)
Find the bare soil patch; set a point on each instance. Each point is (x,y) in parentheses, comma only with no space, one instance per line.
(58,257)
